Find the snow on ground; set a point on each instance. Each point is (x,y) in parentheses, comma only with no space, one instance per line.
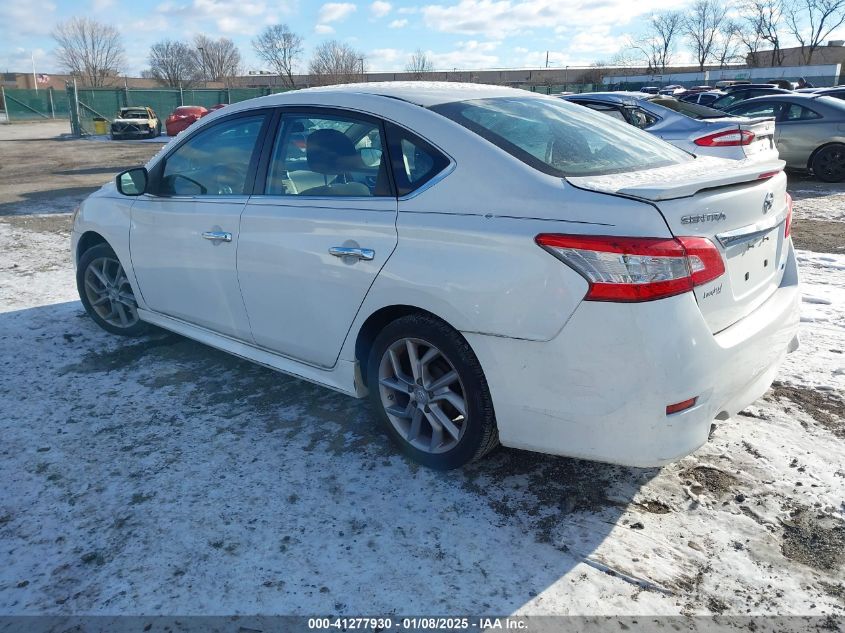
(161,476)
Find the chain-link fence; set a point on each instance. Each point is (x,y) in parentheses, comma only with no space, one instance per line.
(88,104)
(31,105)
(83,105)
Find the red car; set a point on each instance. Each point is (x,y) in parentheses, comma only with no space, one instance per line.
(182,118)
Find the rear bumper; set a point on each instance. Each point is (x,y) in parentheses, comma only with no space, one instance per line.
(600,388)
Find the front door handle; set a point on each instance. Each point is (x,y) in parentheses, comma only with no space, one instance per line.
(217,236)
(367,254)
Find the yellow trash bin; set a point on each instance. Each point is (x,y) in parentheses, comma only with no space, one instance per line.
(101,126)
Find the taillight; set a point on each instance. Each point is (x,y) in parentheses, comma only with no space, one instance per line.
(787,226)
(632,269)
(728,138)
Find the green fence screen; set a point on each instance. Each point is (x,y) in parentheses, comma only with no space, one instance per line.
(82,105)
(30,105)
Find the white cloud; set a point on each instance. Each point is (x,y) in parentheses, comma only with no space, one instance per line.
(471,54)
(27,18)
(323,29)
(335,12)
(380,8)
(501,18)
(398,24)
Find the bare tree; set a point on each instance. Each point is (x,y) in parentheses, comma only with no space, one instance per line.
(218,60)
(419,64)
(765,19)
(173,64)
(90,50)
(658,42)
(281,48)
(750,41)
(728,43)
(336,62)
(812,21)
(701,26)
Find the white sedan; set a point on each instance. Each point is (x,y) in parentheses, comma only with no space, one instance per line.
(486,264)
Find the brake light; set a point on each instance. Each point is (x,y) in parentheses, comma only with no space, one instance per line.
(633,269)
(787,227)
(728,138)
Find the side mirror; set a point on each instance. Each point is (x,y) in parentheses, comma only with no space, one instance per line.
(132,182)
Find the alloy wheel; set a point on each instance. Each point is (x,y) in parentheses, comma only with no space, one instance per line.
(109,293)
(423,395)
(831,163)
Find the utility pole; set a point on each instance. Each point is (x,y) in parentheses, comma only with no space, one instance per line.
(361,59)
(547,59)
(34,78)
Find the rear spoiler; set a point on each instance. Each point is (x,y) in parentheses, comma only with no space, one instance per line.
(680,181)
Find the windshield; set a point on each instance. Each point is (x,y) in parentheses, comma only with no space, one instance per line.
(692,110)
(562,139)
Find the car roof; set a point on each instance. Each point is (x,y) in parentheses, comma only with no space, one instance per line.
(423,93)
(612,97)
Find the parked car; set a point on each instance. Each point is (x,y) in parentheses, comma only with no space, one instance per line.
(810,131)
(182,118)
(650,90)
(217,107)
(515,269)
(702,98)
(672,90)
(736,94)
(135,122)
(837,92)
(693,128)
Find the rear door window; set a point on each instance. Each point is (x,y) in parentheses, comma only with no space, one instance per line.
(328,155)
(797,112)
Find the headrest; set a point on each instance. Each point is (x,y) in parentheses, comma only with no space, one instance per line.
(331,152)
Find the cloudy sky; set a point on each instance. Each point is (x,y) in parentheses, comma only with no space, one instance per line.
(455,33)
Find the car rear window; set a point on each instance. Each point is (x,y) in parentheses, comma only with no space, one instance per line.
(562,139)
(692,110)
(134,114)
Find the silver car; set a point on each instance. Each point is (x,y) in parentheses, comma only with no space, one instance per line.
(694,128)
(810,131)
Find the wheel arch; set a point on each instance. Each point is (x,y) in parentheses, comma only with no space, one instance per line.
(818,149)
(376,322)
(88,240)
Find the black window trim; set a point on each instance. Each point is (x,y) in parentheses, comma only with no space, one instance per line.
(395,134)
(155,175)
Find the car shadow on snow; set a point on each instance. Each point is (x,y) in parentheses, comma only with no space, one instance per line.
(60,200)
(253,491)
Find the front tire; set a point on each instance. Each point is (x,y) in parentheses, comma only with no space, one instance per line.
(829,163)
(105,292)
(430,393)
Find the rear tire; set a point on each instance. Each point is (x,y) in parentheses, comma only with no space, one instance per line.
(829,163)
(106,294)
(437,410)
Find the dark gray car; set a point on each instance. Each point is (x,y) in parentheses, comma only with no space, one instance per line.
(810,130)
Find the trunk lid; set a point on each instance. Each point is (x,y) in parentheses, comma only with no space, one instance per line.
(740,206)
(762,145)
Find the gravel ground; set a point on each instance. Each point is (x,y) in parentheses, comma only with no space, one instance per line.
(161,476)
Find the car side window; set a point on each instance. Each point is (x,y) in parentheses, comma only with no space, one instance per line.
(328,155)
(214,162)
(641,119)
(765,108)
(415,162)
(606,109)
(796,112)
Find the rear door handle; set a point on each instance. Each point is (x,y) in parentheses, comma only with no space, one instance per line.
(367,254)
(215,236)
